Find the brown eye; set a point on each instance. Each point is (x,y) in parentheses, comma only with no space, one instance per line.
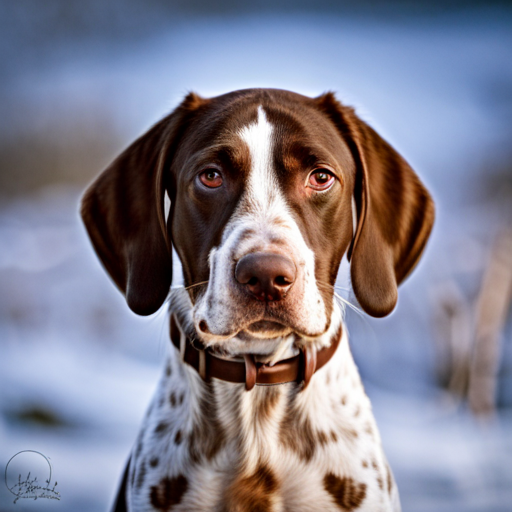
(320,179)
(211,178)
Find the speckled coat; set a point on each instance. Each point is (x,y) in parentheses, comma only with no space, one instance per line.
(220,448)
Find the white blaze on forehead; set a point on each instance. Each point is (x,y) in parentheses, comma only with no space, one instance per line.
(262,184)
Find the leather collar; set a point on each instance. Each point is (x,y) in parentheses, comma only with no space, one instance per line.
(298,369)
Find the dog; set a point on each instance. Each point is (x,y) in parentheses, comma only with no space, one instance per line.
(261,192)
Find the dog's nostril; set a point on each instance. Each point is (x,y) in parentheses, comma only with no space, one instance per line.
(282,281)
(203,326)
(253,281)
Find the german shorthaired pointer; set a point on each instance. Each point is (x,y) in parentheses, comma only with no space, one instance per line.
(261,192)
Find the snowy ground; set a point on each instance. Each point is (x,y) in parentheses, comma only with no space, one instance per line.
(77,369)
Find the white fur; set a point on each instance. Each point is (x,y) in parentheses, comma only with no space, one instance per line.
(262,186)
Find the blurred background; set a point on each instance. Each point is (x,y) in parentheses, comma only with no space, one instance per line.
(80,80)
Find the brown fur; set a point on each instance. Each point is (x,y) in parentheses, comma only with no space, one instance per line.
(168,493)
(389,479)
(347,494)
(207,436)
(268,403)
(298,435)
(252,493)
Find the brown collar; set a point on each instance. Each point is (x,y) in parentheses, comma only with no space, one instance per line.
(296,369)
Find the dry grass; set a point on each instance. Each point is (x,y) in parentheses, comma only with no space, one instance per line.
(64,147)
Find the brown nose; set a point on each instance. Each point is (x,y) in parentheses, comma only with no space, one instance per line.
(266,275)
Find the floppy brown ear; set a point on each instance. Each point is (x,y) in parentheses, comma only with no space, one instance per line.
(123,211)
(395,212)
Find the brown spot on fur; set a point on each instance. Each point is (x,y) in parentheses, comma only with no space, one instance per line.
(389,478)
(346,493)
(181,398)
(207,436)
(141,473)
(161,428)
(380,483)
(350,434)
(168,370)
(297,434)
(268,402)
(168,492)
(252,493)
(357,411)
(343,400)
(154,462)
(374,464)
(140,445)
(172,399)
(368,429)
(177,437)
(365,464)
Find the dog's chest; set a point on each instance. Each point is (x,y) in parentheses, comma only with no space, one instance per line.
(219,448)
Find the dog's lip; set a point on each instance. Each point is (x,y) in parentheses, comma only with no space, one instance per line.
(265,326)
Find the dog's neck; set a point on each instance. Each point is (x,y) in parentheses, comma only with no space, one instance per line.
(216,415)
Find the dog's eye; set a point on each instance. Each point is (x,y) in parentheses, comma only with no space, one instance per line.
(211,178)
(320,179)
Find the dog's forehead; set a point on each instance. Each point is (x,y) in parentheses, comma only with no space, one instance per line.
(286,127)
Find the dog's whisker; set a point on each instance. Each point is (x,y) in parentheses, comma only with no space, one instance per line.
(180,286)
(201,283)
(341,300)
(350,305)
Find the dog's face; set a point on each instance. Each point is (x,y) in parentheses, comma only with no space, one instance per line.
(263,215)
(268,190)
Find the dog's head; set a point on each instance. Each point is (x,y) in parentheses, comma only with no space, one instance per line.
(268,190)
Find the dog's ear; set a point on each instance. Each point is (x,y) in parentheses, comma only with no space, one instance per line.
(395,212)
(123,211)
